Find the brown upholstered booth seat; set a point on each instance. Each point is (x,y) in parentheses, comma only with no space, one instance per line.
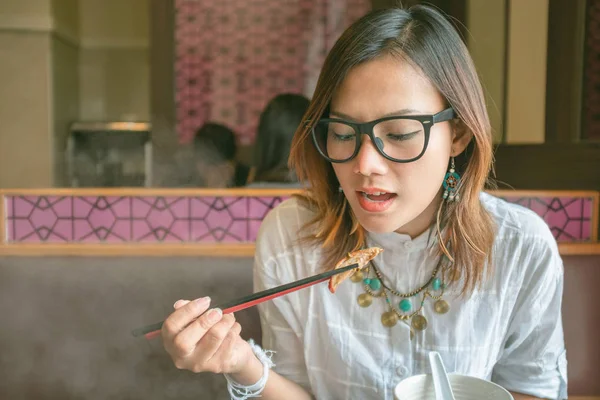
(66,324)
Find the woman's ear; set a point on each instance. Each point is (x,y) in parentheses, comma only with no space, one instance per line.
(461,136)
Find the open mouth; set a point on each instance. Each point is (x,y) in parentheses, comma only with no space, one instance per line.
(374,201)
(378,196)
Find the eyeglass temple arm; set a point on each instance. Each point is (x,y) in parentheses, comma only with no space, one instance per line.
(445,115)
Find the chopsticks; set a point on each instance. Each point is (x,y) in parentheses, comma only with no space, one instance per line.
(152,331)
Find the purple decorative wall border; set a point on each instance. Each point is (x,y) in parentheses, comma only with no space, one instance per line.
(570,218)
(135,219)
(211,219)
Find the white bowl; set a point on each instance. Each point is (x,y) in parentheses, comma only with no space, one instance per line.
(420,387)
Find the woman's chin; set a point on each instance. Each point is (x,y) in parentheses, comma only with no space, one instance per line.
(379,225)
(381,222)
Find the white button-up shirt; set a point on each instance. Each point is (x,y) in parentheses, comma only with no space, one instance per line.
(508,331)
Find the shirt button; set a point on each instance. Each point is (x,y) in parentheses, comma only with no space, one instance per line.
(402,371)
(408,245)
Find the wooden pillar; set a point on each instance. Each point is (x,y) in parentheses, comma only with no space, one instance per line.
(162,90)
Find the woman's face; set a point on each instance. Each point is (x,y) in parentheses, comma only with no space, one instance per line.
(412,191)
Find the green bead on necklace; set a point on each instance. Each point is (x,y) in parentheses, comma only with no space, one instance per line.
(405,305)
(375,284)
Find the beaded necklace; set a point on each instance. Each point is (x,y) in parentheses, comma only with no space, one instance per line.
(375,286)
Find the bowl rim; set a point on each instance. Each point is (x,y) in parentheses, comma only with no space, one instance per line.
(451,374)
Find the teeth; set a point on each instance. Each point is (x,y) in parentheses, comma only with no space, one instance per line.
(375,193)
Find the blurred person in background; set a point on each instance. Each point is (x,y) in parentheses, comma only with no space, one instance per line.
(214,150)
(278,123)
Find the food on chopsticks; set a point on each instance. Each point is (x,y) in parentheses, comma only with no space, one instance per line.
(360,257)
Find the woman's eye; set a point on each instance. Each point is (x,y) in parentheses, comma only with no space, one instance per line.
(343,137)
(402,137)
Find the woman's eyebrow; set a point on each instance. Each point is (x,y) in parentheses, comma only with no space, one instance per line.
(404,111)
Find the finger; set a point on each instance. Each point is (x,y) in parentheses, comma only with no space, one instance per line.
(236,328)
(187,340)
(213,339)
(180,303)
(182,317)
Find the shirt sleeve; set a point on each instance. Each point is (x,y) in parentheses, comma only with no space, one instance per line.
(282,330)
(534,360)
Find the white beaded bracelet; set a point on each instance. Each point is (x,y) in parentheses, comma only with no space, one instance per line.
(242,392)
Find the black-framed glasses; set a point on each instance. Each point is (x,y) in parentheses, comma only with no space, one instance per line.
(400,139)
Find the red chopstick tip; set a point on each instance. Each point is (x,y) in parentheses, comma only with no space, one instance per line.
(152,335)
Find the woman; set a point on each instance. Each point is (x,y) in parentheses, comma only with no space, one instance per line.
(278,122)
(397,150)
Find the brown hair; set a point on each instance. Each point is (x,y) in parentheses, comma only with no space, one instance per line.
(422,36)
(277,124)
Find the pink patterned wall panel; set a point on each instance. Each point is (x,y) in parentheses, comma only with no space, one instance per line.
(132,219)
(233,56)
(192,219)
(40,219)
(570,219)
(219,219)
(100,218)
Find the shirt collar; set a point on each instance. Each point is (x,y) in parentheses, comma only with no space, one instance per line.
(403,241)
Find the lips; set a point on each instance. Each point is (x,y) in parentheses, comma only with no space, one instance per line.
(375,200)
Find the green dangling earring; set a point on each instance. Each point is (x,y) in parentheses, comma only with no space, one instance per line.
(450,183)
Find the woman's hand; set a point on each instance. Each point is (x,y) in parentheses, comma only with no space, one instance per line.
(210,341)
(205,342)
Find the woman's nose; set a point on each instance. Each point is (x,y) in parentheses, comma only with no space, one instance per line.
(369,161)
